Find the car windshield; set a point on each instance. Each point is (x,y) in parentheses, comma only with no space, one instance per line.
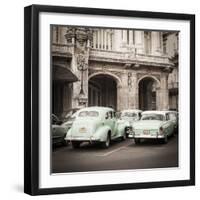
(71,113)
(129,114)
(88,114)
(152,117)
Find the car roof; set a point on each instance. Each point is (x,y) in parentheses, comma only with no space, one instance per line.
(161,112)
(96,108)
(131,110)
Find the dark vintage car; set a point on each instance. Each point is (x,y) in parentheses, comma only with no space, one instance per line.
(58,131)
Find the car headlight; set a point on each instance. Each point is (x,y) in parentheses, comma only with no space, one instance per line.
(161,131)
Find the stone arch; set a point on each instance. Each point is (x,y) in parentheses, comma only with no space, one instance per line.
(149,76)
(115,77)
(148,92)
(103,89)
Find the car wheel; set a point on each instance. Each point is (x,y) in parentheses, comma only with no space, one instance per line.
(137,141)
(173,134)
(64,143)
(76,144)
(106,144)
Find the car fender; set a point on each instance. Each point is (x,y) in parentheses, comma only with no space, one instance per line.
(101,133)
(68,134)
(121,128)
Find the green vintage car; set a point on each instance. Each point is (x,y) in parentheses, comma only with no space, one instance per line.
(130,116)
(154,125)
(95,124)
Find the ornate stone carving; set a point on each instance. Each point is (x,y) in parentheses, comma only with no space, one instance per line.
(82,62)
(70,33)
(80,35)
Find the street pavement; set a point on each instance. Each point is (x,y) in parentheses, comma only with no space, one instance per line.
(120,155)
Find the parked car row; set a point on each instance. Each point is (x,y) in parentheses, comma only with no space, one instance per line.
(102,125)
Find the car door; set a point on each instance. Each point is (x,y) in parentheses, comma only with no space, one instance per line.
(109,122)
(115,125)
(112,123)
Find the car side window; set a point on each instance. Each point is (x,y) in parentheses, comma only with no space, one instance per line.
(172,116)
(107,116)
(167,117)
(114,114)
(111,114)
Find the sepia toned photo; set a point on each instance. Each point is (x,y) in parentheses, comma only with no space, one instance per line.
(109,99)
(114,99)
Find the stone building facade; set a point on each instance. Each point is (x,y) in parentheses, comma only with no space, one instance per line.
(120,68)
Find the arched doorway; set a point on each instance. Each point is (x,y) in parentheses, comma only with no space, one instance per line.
(148,93)
(102,91)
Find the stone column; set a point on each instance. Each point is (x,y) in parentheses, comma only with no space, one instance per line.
(102,32)
(98,37)
(155,43)
(62,31)
(161,42)
(132,91)
(94,39)
(54,29)
(130,37)
(139,41)
(122,93)
(105,38)
(119,97)
(124,39)
(117,39)
(80,57)
(158,103)
(164,92)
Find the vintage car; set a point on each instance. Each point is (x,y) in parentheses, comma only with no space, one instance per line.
(58,131)
(95,124)
(154,125)
(130,116)
(173,115)
(70,120)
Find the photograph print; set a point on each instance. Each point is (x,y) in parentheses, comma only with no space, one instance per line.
(114,99)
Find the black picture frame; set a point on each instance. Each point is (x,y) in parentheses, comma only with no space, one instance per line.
(31,98)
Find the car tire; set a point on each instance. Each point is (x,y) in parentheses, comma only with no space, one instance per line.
(137,140)
(64,143)
(76,144)
(106,144)
(165,140)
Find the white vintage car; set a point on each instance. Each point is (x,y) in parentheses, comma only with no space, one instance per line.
(95,124)
(157,125)
(130,116)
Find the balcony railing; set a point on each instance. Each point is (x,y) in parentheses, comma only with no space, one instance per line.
(130,57)
(114,56)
